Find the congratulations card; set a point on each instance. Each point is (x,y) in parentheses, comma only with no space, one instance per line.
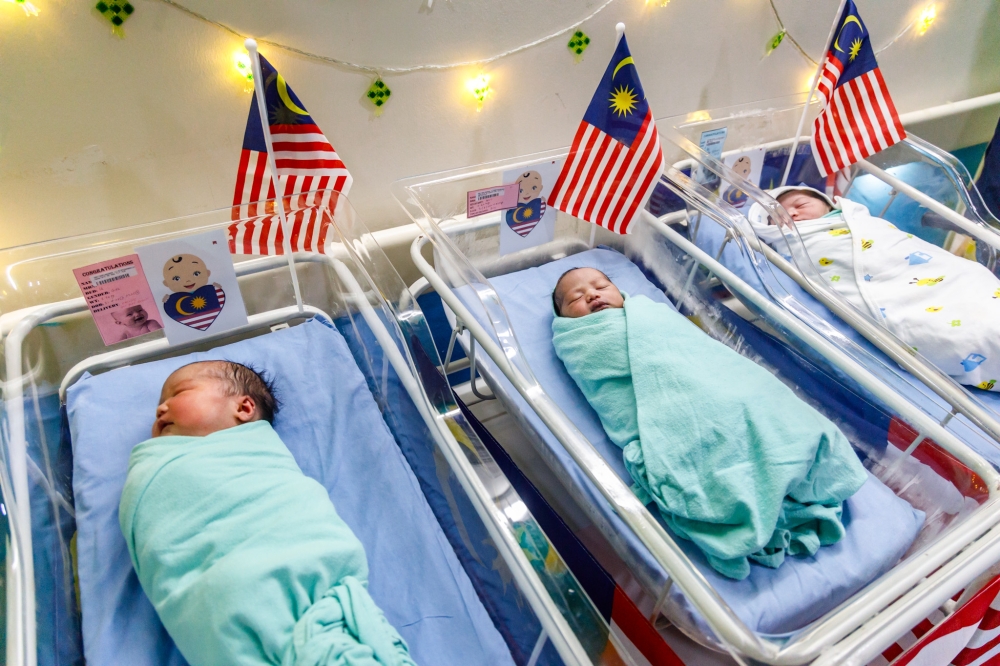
(119,298)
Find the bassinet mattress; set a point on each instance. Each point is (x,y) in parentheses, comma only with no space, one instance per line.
(776,602)
(710,238)
(332,425)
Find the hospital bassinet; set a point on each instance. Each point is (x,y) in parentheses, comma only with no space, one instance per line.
(358,354)
(501,305)
(918,187)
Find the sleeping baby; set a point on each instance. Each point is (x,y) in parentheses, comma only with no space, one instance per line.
(733,459)
(243,556)
(943,306)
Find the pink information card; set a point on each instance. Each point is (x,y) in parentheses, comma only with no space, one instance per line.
(119,298)
(490,199)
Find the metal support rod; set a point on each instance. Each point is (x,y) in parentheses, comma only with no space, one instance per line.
(472,372)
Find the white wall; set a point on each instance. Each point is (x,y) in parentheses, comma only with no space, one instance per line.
(98,132)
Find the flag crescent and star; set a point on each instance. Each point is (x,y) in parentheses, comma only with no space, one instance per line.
(310,171)
(858,118)
(615,158)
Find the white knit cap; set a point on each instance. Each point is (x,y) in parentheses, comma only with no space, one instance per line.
(758,216)
(778,191)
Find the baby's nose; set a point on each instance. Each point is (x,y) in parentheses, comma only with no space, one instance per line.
(161,409)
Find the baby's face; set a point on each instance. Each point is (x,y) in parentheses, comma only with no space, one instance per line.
(802,207)
(194,402)
(133,317)
(185,272)
(585,291)
(531,186)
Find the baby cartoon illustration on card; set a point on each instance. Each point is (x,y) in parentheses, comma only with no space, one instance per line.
(747,164)
(194,302)
(530,205)
(530,222)
(197,291)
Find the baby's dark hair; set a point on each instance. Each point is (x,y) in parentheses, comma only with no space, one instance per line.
(246,380)
(556,299)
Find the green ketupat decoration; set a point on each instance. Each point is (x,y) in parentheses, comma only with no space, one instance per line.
(578,43)
(378,94)
(117,13)
(775,42)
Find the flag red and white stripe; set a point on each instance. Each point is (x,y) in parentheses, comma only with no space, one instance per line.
(311,169)
(968,637)
(605,181)
(857,121)
(307,166)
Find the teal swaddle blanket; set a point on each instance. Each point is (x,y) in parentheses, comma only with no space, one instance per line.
(244,557)
(733,459)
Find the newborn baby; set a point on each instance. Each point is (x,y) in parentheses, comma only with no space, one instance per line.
(943,306)
(244,557)
(733,459)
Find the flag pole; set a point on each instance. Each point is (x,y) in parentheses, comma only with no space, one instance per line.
(258,86)
(812,91)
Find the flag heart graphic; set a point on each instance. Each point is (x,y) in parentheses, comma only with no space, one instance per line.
(196,309)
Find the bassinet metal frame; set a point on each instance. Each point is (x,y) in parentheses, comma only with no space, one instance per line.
(859,628)
(21,630)
(944,386)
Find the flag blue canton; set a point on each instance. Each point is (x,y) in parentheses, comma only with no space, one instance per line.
(852,45)
(283,107)
(619,106)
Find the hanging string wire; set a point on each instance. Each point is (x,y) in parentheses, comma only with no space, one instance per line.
(377,69)
(812,61)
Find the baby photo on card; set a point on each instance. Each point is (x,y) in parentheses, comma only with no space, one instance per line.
(194,285)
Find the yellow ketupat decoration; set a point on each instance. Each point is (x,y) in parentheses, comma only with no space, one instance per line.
(987,385)
(865,244)
(825,262)
(934,308)
(926,282)
(839,232)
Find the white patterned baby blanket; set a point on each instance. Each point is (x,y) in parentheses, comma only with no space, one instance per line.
(944,306)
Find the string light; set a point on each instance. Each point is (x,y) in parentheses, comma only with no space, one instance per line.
(29,9)
(661,3)
(241,61)
(480,89)
(927,17)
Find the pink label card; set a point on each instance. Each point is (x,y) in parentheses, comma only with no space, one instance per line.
(119,298)
(490,199)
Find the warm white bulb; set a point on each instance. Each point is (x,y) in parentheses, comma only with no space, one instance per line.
(926,18)
(479,86)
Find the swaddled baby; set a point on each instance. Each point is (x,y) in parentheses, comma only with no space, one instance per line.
(733,459)
(943,306)
(243,556)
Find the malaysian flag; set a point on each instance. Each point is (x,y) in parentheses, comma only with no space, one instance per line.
(305,161)
(968,637)
(858,118)
(615,159)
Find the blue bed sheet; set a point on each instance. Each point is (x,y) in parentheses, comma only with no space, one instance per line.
(776,602)
(710,237)
(333,427)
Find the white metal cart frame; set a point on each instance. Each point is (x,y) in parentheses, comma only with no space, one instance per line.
(441,421)
(857,630)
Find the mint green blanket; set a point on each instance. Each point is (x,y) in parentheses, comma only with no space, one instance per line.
(734,460)
(244,557)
